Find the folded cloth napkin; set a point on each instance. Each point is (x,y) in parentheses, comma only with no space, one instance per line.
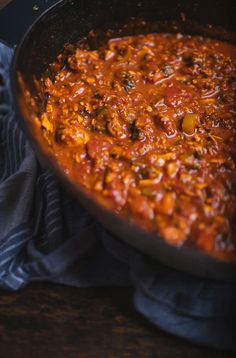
(46,235)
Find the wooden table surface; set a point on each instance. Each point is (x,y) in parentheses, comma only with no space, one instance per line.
(47,320)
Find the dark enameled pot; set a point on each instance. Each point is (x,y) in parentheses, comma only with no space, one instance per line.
(67,21)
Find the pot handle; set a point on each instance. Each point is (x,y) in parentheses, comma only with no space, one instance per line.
(18,16)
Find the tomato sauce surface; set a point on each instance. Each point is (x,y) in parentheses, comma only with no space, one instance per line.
(147,124)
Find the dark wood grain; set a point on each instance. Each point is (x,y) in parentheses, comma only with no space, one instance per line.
(46,320)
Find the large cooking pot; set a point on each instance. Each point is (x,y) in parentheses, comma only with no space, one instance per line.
(68,21)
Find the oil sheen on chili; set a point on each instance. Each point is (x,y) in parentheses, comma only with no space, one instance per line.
(148,125)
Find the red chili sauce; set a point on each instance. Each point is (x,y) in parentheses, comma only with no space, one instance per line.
(148,124)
